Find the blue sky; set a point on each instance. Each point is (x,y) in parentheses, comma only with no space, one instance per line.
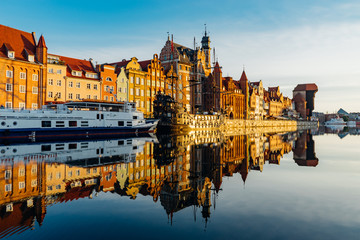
(281,42)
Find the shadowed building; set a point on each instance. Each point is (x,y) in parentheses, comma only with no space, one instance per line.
(304,150)
(303,98)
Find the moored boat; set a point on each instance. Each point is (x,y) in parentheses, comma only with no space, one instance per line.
(74,120)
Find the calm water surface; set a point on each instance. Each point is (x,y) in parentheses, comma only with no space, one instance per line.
(281,186)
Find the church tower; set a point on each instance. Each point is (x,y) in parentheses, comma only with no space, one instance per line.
(205,46)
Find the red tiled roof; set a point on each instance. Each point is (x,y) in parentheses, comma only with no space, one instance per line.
(306,87)
(123,63)
(77,65)
(17,40)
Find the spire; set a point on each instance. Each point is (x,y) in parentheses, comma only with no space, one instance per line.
(243,76)
(41,42)
(205,30)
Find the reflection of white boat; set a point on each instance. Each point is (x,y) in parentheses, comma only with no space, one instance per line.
(336,128)
(335,121)
(86,153)
(74,120)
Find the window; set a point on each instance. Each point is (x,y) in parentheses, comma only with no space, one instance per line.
(60,124)
(33,183)
(8,187)
(78,85)
(22,75)
(106,98)
(109,79)
(21,172)
(8,104)
(35,77)
(71,84)
(137,92)
(131,79)
(95,97)
(9,87)
(34,169)
(50,94)
(119,89)
(34,106)
(112,99)
(7,174)
(45,123)
(35,90)
(88,97)
(58,83)
(45,148)
(51,70)
(11,54)
(137,80)
(31,58)
(95,87)
(58,175)
(51,82)
(77,172)
(120,123)
(70,173)
(78,96)
(142,92)
(142,81)
(88,86)
(22,105)
(122,80)
(70,96)
(131,91)
(58,186)
(58,95)
(58,71)
(9,74)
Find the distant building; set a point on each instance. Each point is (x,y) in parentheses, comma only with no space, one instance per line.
(303,99)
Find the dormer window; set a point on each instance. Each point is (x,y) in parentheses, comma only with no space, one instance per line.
(11,54)
(76,73)
(91,75)
(31,58)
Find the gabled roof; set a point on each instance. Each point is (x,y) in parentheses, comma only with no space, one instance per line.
(123,63)
(77,65)
(273,89)
(16,40)
(217,68)
(306,87)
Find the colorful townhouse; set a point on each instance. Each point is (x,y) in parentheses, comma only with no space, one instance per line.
(23,69)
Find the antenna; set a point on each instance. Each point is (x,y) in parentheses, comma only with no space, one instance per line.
(214,56)
(194,43)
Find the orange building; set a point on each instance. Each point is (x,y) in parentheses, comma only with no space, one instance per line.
(23,69)
(108,82)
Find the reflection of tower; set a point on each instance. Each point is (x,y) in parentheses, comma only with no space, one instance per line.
(304,150)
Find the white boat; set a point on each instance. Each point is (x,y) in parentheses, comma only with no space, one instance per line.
(74,120)
(335,121)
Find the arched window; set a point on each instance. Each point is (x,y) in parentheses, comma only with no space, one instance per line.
(109,79)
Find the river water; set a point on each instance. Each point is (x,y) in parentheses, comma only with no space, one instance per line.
(298,185)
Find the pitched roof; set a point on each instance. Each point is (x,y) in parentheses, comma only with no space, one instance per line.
(273,89)
(217,68)
(306,87)
(42,42)
(144,64)
(123,63)
(77,65)
(16,40)
(243,76)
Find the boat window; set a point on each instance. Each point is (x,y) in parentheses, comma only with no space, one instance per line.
(97,116)
(45,123)
(72,146)
(60,124)
(45,148)
(129,123)
(121,123)
(72,123)
(84,145)
(135,117)
(129,141)
(84,123)
(59,146)
(121,142)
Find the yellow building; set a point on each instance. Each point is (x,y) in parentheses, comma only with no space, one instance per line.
(82,81)
(122,84)
(55,85)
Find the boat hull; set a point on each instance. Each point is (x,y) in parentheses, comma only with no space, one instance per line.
(55,134)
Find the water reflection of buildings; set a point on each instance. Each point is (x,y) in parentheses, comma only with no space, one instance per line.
(180,171)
